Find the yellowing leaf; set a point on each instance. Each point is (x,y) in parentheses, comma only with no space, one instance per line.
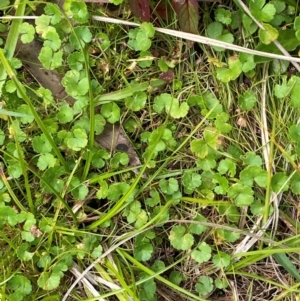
(216,62)
(231,73)
(268,34)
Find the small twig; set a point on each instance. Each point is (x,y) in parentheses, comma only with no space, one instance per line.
(111,249)
(85,282)
(195,38)
(246,244)
(265,139)
(7,17)
(277,44)
(201,39)
(131,235)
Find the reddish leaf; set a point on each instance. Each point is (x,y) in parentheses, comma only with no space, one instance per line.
(188,14)
(140,9)
(164,10)
(167,76)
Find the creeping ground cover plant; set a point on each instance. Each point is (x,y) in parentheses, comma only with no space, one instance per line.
(140,166)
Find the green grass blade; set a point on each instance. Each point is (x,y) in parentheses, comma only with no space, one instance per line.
(158,277)
(59,197)
(25,175)
(120,203)
(32,108)
(13,114)
(263,279)
(10,191)
(92,120)
(126,92)
(12,39)
(284,261)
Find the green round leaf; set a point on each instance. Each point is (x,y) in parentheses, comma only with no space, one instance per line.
(257,207)
(295,101)
(169,186)
(227,166)
(45,161)
(99,123)
(145,59)
(80,12)
(143,251)
(116,190)
(54,11)
(137,101)
(247,100)
(76,60)
(221,260)
(200,148)
(254,173)
(176,277)
(223,184)
(80,36)
(22,252)
(132,211)
(105,42)
(74,84)
(268,34)
(21,287)
(221,124)
(223,16)
(197,228)
(226,235)
(294,132)
(52,39)
(111,112)
(154,199)
(50,60)
(179,239)
(211,137)
(215,31)
(227,74)
(27,32)
(262,12)
(202,253)
(191,181)
(295,184)
(48,281)
(65,114)
(280,182)
(97,252)
(41,144)
(52,176)
(148,29)
(78,141)
(80,192)
(243,195)
(250,158)
(204,285)
(2,137)
(221,283)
